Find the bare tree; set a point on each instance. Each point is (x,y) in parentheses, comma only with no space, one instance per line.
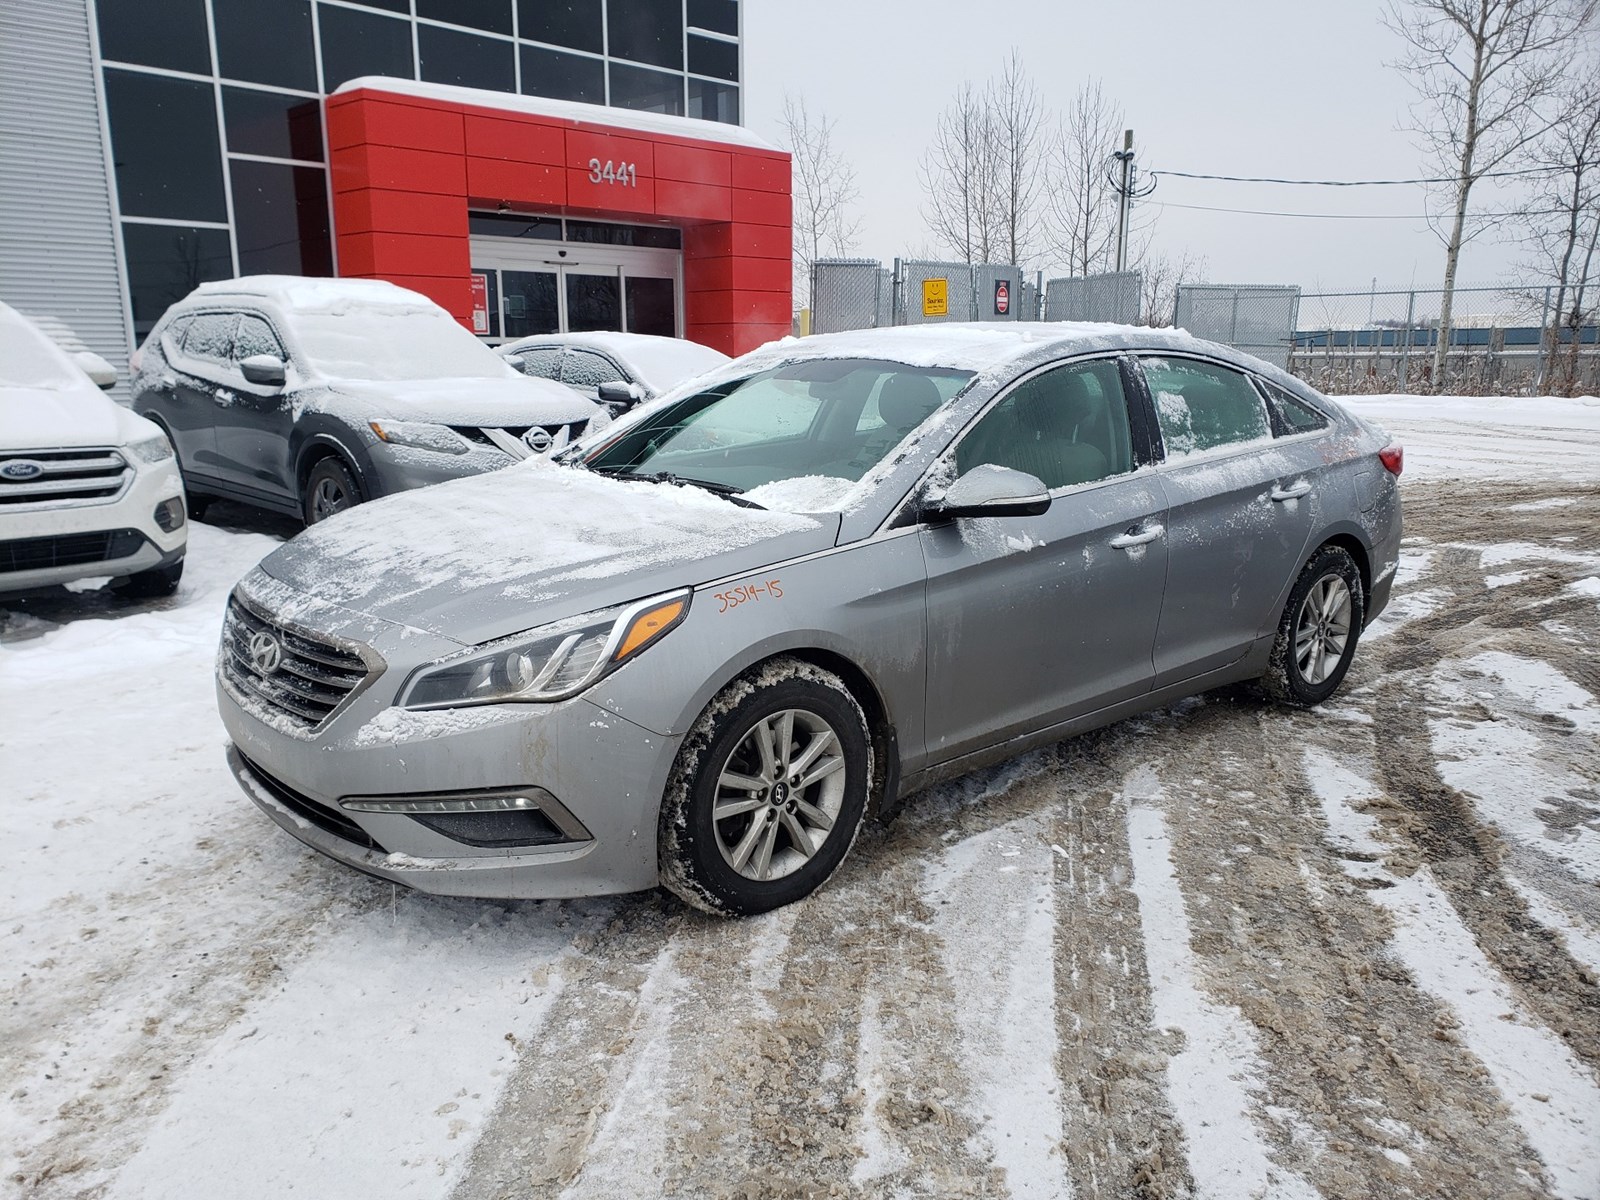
(958,178)
(824,189)
(1083,200)
(1016,121)
(1160,277)
(1482,70)
(1561,221)
(983,176)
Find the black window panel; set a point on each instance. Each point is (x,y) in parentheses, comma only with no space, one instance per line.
(167,262)
(156,33)
(647,31)
(574,23)
(714,101)
(356,44)
(395,6)
(593,302)
(647,91)
(707,56)
(545,229)
(266,41)
(652,306)
(719,16)
(465,59)
(529,303)
(562,76)
(280,217)
(164,146)
(272,124)
(608,234)
(493,15)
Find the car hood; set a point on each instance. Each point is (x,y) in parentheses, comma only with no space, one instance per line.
(491,555)
(45,418)
(514,400)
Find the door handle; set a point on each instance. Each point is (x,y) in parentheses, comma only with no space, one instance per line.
(224,396)
(1137,537)
(1293,492)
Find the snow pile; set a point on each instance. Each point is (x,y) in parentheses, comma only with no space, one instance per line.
(803,494)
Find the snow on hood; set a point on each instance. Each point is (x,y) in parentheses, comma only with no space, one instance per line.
(514,400)
(495,554)
(53,418)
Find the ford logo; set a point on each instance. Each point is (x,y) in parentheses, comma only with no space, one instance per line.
(266,655)
(538,440)
(25,468)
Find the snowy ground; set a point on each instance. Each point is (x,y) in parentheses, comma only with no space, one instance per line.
(1222,950)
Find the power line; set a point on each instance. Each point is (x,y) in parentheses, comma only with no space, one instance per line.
(1257,212)
(1351,182)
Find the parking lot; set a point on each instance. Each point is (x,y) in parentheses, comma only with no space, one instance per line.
(1220,950)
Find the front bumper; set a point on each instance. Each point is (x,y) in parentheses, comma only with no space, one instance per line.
(606,773)
(73,526)
(402,468)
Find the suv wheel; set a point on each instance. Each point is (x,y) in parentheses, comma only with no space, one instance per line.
(330,488)
(768,791)
(151,584)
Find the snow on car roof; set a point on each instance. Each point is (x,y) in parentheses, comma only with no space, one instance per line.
(336,297)
(660,361)
(977,346)
(569,110)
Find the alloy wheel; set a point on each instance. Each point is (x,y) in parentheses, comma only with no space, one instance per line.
(1322,629)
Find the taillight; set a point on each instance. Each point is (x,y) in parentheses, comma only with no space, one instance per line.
(1393,458)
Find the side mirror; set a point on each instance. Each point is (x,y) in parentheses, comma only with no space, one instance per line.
(263,370)
(619,396)
(100,372)
(992,491)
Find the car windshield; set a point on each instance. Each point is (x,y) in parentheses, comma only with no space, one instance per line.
(815,423)
(373,344)
(29,360)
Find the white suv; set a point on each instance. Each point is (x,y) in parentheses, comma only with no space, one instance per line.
(87,488)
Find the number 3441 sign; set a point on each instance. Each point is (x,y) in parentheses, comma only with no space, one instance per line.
(623,174)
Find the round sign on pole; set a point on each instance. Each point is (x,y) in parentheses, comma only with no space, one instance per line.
(1002,297)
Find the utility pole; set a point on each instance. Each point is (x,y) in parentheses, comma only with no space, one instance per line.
(1124,198)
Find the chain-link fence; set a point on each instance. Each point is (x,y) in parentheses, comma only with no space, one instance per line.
(1258,318)
(1503,341)
(1111,297)
(850,293)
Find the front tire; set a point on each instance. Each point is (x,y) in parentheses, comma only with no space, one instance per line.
(152,584)
(768,792)
(330,489)
(1319,630)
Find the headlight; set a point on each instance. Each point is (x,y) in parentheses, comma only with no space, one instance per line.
(550,663)
(439,438)
(151,450)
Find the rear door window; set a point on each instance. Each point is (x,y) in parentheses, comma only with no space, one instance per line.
(210,337)
(1291,414)
(1201,406)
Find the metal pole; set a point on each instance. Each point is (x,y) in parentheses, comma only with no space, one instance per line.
(1405,353)
(897,296)
(1125,199)
(1544,344)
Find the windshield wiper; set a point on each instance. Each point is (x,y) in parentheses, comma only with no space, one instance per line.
(726,490)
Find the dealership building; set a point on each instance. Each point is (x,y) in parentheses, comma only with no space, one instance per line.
(532,165)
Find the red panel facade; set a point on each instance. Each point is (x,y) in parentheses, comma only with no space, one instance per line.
(406,169)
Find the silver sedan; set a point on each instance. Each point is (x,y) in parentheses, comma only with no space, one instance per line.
(818,580)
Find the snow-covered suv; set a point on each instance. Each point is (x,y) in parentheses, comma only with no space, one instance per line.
(86,487)
(309,395)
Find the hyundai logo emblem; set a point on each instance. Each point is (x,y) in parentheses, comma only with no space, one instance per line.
(266,655)
(25,468)
(538,440)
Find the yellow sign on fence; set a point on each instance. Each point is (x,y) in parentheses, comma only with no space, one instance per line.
(935,297)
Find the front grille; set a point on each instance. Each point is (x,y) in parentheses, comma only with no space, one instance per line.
(326,819)
(309,679)
(560,435)
(59,477)
(69,550)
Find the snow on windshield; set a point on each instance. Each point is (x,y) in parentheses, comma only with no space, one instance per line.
(389,344)
(28,359)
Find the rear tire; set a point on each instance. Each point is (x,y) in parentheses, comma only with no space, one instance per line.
(152,584)
(1318,632)
(330,489)
(768,791)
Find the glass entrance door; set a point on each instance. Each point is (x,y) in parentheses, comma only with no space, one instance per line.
(594,299)
(529,302)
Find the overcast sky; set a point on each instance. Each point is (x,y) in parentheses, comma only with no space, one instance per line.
(1247,87)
